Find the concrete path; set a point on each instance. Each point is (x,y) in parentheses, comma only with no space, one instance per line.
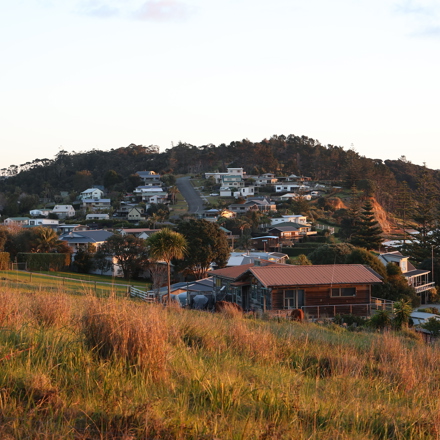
(190,194)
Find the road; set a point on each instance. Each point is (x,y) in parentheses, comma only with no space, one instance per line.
(192,196)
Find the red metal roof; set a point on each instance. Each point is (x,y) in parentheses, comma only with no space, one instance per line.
(231,272)
(287,275)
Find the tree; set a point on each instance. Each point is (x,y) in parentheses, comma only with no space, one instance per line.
(402,313)
(207,244)
(111,178)
(84,261)
(362,256)
(101,260)
(130,253)
(368,232)
(331,253)
(166,245)
(46,240)
(302,260)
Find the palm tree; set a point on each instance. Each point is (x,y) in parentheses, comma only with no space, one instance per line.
(173,190)
(166,245)
(46,240)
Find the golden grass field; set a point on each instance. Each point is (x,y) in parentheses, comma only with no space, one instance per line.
(88,367)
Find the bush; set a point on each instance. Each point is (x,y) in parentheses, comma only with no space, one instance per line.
(43,261)
(4,260)
(120,329)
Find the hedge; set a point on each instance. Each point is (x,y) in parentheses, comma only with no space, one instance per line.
(44,261)
(4,260)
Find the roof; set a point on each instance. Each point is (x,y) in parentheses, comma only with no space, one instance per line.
(413,273)
(97,236)
(285,228)
(232,272)
(287,275)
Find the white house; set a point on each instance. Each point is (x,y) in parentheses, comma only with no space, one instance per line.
(19,221)
(64,211)
(95,205)
(51,223)
(96,216)
(294,218)
(149,177)
(289,187)
(91,193)
(244,192)
(231,172)
(39,212)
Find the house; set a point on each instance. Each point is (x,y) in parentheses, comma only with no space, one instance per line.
(289,187)
(318,290)
(81,239)
(245,191)
(64,211)
(18,221)
(261,205)
(235,181)
(91,193)
(149,177)
(288,232)
(231,172)
(39,212)
(240,258)
(419,279)
(292,196)
(136,214)
(47,222)
(143,233)
(150,194)
(266,179)
(293,218)
(95,205)
(96,216)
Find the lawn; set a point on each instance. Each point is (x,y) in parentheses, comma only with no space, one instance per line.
(69,282)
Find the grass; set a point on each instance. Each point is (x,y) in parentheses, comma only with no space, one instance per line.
(31,282)
(110,368)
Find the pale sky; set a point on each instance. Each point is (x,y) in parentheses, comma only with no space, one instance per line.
(84,74)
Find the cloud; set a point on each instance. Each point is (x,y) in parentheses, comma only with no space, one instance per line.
(163,10)
(422,16)
(98,9)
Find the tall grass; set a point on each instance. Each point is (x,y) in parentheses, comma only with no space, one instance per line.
(110,368)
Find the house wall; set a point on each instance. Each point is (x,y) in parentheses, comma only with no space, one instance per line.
(320,296)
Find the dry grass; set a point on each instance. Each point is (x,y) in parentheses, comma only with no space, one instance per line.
(118,328)
(220,378)
(51,310)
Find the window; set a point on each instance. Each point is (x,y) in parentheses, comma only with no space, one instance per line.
(343,291)
(293,299)
(218,282)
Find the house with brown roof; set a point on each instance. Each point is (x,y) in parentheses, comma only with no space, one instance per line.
(318,290)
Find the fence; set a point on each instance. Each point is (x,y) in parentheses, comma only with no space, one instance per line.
(366,309)
(138,293)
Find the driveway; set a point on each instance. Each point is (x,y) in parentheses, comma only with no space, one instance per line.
(191,195)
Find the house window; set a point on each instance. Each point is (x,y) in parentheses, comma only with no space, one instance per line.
(293,299)
(343,291)
(218,282)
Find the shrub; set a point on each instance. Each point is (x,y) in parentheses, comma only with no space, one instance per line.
(4,260)
(122,329)
(51,310)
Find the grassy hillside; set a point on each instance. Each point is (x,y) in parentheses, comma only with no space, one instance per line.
(79,367)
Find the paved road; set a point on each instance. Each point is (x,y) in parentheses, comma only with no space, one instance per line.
(192,196)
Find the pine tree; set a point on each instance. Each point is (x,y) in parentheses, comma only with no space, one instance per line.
(368,231)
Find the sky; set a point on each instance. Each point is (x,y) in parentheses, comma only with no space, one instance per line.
(78,75)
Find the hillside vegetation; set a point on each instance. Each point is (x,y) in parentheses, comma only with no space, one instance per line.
(86,368)
(282,155)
